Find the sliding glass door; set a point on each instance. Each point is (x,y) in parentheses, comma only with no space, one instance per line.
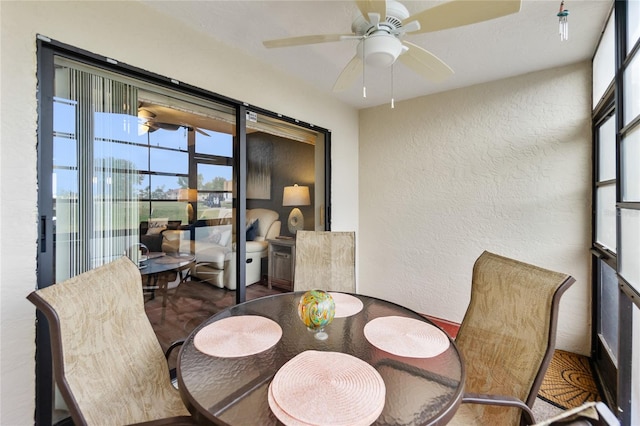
(124,153)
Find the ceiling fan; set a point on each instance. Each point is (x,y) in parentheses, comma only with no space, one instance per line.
(382,25)
(149,119)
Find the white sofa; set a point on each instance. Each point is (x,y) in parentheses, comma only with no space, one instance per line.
(214,247)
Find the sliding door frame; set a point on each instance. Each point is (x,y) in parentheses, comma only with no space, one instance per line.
(47,50)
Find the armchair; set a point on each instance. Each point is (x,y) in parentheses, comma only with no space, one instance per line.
(214,246)
(107,360)
(507,339)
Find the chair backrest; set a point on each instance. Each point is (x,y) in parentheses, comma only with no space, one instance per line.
(507,336)
(107,361)
(325,261)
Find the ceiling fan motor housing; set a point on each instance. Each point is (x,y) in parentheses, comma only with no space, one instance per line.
(381,44)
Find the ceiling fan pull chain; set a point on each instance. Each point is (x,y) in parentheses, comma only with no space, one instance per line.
(393,104)
(364,67)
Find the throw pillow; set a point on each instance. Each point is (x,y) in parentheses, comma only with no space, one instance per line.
(156,226)
(214,237)
(252,230)
(225,236)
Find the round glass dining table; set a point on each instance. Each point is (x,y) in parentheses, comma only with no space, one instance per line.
(235,390)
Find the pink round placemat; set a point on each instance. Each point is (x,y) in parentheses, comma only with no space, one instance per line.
(281,414)
(320,388)
(346,305)
(406,337)
(238,336)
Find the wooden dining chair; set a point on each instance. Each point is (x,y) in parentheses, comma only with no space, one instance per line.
(325,261)
(107,361)
(507,339)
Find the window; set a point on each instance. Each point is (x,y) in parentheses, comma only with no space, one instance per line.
(616,238)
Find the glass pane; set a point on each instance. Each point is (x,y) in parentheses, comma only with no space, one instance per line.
(609,301)
(64,114)
(631,97)
(606,216)
(64,152)
(631,166)
(214,143)
(215,185)
(628,264)
(144,188)
(120,127)
(172,210)
(297,155)
(633,23)
(137,156)
(176,139)
(168,161)
(604,62)
(607,150)
(164,187)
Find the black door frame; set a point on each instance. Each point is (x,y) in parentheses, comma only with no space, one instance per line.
(47,49)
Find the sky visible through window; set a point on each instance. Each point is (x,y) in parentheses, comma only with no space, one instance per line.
(125,138)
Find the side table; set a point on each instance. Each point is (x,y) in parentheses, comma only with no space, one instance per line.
(282,263)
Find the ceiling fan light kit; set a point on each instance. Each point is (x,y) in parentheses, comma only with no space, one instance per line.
(381,50)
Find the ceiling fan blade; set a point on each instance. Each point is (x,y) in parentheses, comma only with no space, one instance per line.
(310,39)
(348,74)
(373,6)
(425,63)
(457,13)
(166,126)
(202,132)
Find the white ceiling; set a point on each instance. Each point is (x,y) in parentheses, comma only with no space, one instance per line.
(492,50)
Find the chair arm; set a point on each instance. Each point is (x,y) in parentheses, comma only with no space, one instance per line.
(171,347)
(500,400)
(274,230)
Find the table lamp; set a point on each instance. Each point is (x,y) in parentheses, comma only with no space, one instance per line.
(295,196)
(190,196)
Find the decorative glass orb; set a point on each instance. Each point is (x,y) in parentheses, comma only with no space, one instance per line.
(316,309)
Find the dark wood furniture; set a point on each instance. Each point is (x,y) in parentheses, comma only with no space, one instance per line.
(282,263)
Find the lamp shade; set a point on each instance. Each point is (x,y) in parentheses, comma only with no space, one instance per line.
(186,194)
(296,196)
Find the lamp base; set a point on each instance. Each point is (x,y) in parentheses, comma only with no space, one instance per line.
(189,213)
(295,221)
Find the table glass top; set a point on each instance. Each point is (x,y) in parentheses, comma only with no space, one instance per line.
(235,390)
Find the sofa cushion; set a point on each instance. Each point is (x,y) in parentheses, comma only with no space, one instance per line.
(257,247)
(212,254)
(152,242)
(157,225)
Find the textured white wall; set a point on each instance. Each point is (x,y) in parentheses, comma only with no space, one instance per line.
(503,166)
(128,32)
